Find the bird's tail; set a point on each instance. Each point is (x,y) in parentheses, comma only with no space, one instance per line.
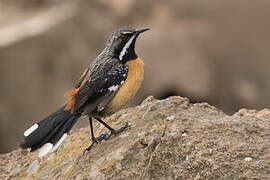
(50,132)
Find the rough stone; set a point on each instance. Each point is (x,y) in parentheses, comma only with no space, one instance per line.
(167,139)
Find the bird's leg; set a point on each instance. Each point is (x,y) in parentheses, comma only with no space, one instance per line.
(94,140)
(112,131)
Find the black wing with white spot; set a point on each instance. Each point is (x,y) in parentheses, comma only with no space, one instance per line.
(101,89)
(113,79)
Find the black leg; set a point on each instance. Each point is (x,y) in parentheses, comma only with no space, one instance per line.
(113,131)
(102,136)
(92,129)
(94,140)
(104,124)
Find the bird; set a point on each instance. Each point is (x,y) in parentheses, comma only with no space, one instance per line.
(106,85)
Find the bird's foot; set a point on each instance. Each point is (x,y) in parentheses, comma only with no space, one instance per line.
(106,136)
(95,141)
(115,132)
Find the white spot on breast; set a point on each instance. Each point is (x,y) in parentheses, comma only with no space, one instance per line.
(122,82)
(113,88)
(59,142)
(30,130)
(45,149)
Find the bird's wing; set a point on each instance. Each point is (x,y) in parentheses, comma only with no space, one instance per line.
(96,92)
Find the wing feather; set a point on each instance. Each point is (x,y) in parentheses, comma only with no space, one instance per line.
(97,92)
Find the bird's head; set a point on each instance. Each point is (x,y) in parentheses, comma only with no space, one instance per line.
(122,43)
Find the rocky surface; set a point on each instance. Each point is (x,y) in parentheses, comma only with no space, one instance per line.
(216,52)
(167,139)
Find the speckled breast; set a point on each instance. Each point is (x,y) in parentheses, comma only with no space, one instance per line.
(129,88)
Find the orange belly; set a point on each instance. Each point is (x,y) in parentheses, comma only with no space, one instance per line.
(130,87)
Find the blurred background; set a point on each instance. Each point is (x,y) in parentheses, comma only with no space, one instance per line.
(207,50)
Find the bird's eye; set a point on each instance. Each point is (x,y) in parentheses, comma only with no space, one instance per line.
(124,37)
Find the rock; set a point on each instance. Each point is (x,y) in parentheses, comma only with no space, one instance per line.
(167,139)
(45,45)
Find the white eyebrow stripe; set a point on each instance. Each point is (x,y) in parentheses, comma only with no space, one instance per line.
(124,50)
(126,32)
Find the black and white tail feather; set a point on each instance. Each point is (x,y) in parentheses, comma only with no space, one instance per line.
(50,132)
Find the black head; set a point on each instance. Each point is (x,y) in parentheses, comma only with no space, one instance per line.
(122,43)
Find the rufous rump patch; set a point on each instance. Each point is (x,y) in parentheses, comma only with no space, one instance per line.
(71,94)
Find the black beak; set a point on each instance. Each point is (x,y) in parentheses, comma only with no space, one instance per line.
(139,31)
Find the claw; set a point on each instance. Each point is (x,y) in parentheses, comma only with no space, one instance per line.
(121,129)
(106,137)
(94,141)
(101,137)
